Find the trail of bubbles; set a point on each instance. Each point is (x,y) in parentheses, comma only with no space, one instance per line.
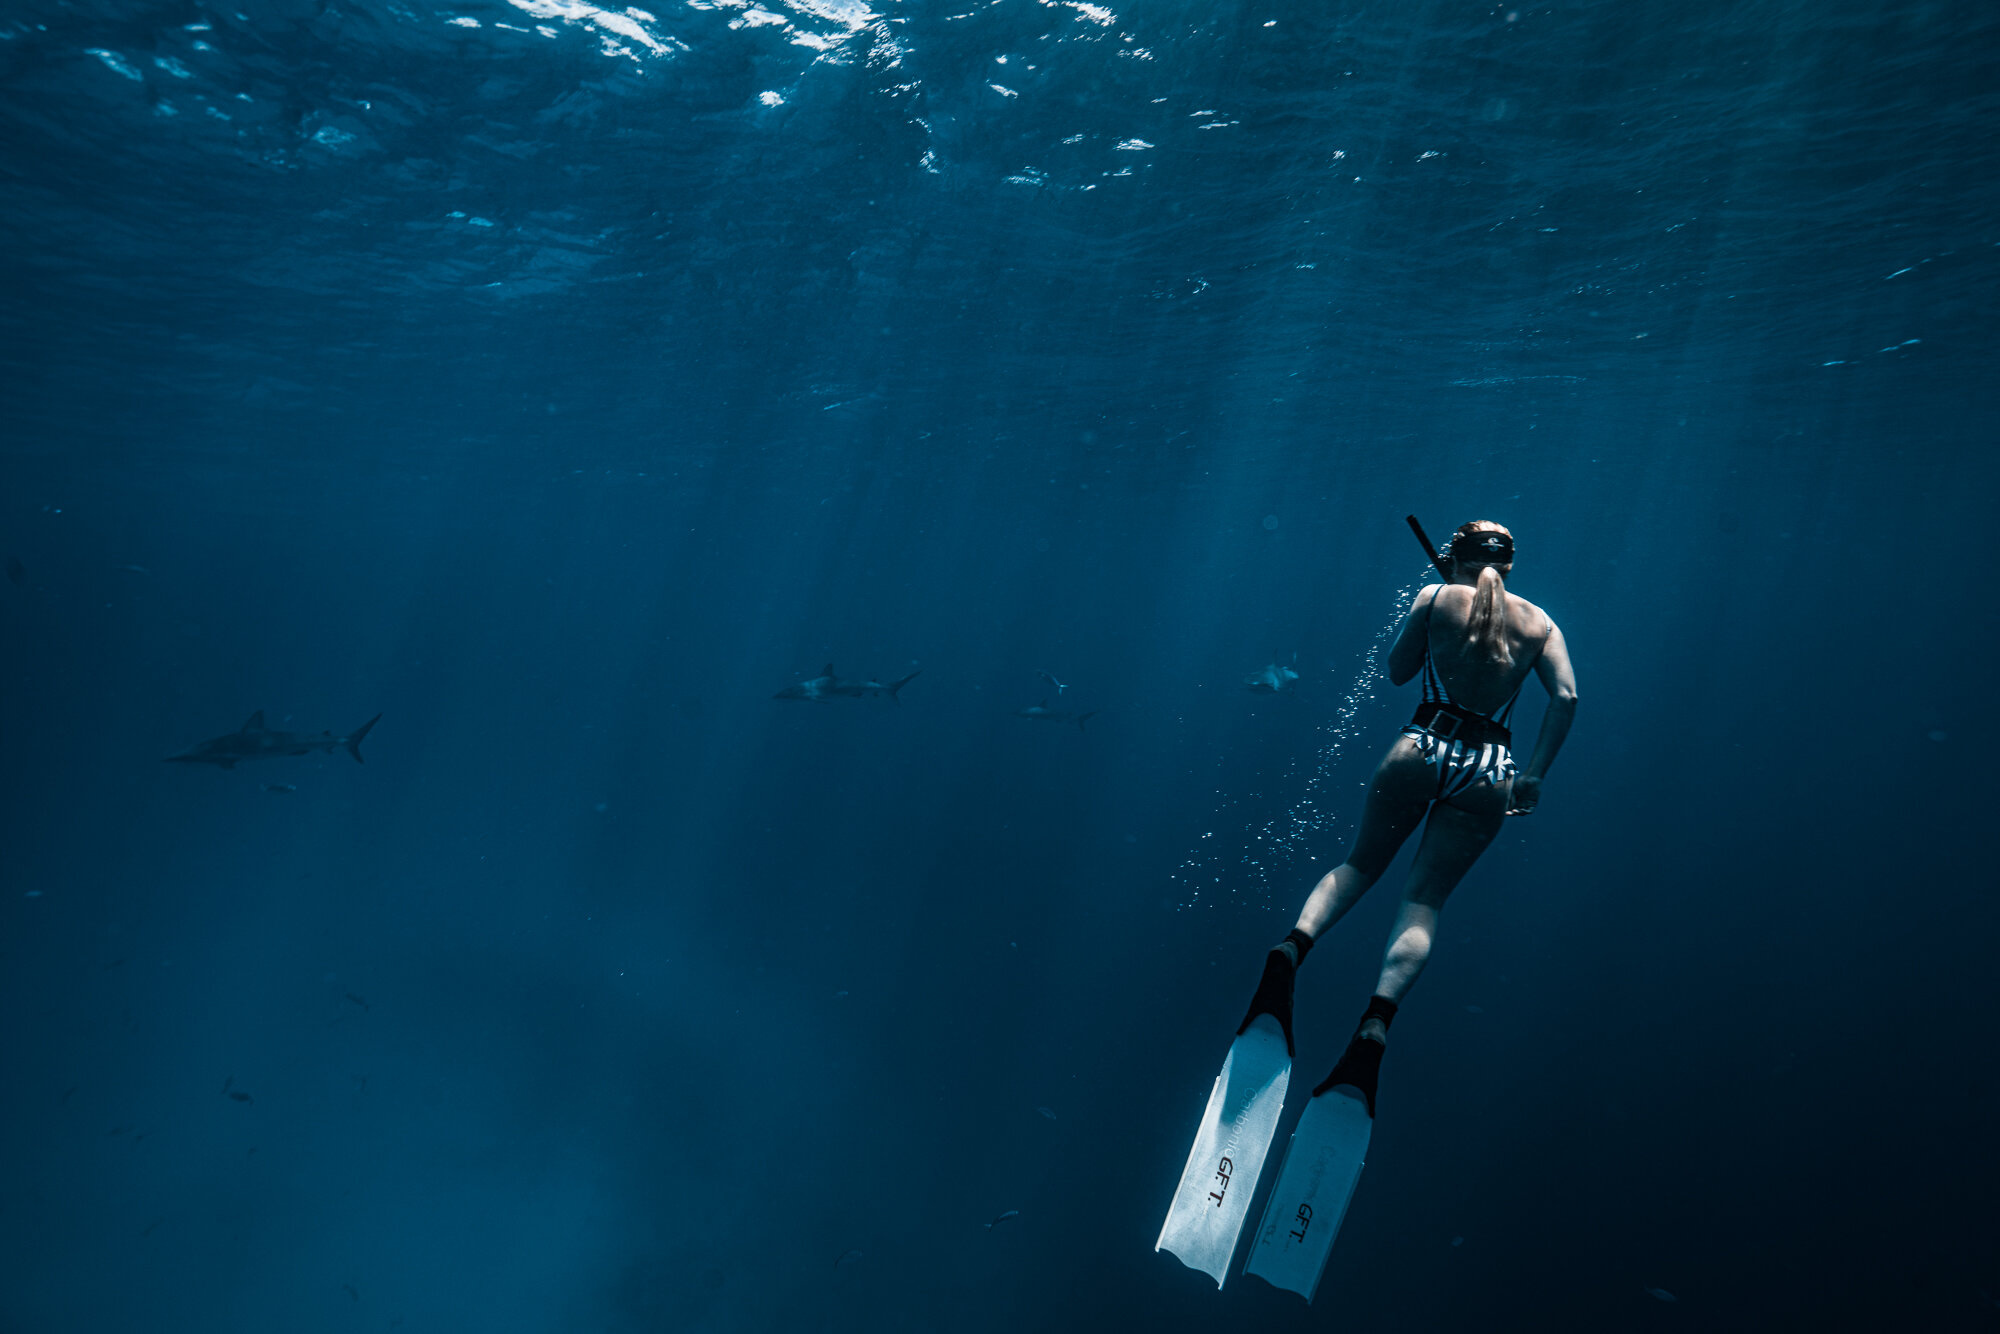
(1272,845)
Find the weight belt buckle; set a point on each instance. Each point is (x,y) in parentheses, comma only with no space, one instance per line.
(1458,721)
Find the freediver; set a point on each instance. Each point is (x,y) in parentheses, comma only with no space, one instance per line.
(1451,770)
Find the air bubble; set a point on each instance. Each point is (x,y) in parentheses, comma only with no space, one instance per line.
(1276,844)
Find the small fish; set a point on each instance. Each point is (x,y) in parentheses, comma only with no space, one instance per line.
(17,573)
(1043,713)
(1009,1215)
(830,685)
(846,1258)
(1046,1112)
(238,1095)
(1661,1295)
(348,1288)
(148,1230)
(1050,678)
(840,993)
(356,999)
(1273,680)
(134,569)
(280,789)
(32,894)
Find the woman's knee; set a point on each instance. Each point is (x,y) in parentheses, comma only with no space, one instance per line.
(1359,873)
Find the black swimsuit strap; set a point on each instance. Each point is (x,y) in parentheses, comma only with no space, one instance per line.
(1434,691)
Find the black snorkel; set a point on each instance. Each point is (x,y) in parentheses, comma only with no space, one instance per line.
(1430,548)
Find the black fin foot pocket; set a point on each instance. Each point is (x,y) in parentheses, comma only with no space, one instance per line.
(1359,1067)
(1274,995)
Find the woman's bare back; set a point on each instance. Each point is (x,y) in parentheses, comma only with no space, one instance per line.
(1470,678)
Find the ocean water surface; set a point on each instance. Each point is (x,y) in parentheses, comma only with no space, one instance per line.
(561,382)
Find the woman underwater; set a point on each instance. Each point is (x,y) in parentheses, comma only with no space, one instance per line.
(1475,645)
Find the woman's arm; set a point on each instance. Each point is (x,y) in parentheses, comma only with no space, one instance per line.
(1559,679)
(1406,655)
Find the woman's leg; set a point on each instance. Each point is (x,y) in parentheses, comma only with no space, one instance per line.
(1454,837)
(1453,840)
(1402,787)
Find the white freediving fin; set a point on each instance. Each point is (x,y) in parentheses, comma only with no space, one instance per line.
(1213,1198)
(1315,1183)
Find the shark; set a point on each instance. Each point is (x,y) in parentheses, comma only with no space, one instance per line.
(1049,715)
(829,684)
(1272,680)
(254,741)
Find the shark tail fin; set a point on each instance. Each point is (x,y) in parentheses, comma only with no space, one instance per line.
(1083,718)
(894,686)
(354,738)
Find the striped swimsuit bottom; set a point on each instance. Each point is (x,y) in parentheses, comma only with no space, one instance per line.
(1462,764)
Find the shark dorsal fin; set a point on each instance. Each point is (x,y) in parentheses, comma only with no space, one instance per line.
(256,723)
(826,670)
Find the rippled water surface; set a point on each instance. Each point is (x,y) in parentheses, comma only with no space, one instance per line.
(561,381)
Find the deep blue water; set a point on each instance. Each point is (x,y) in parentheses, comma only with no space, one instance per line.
(560,383)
